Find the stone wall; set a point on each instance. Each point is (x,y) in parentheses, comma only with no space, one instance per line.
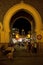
(6,4)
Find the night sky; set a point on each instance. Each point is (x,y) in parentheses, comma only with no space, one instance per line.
(22,23)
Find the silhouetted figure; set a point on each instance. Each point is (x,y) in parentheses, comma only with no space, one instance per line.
(34,48)
(29,47)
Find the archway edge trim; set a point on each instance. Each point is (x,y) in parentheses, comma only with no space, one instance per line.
(28,8)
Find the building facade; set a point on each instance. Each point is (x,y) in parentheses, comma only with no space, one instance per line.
(11,8)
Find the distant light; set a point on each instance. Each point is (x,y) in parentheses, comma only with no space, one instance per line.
(17,35)
(14,40)
(13,28)
(20,39)
(25,39)
(13,33)
(28,35)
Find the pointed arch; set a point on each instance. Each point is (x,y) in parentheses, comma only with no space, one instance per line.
(31,10)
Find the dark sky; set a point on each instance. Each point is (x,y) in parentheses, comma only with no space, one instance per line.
(22,23)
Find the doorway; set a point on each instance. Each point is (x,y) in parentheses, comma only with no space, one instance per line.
(21,26)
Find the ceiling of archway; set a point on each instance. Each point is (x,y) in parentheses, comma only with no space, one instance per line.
(22,14)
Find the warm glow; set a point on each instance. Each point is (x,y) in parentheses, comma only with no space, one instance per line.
(14,40)
(4,34)
(28,35)
(17,35)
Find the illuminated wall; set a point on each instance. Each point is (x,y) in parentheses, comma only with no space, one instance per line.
(5,28)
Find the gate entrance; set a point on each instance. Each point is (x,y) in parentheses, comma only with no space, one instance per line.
(21,26)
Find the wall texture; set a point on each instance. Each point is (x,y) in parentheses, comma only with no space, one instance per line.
(6,4)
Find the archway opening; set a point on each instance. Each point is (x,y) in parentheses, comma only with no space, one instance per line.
(28,12)
(22,24)
(22,20)
(33,15)
(22,27)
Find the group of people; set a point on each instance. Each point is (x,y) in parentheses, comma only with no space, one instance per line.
(32,47)
(9,51)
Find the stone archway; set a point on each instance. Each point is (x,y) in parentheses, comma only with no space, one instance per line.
(13,10)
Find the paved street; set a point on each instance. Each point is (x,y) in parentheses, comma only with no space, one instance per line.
(23,58)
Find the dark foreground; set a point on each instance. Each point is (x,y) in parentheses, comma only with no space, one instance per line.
(23,58)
